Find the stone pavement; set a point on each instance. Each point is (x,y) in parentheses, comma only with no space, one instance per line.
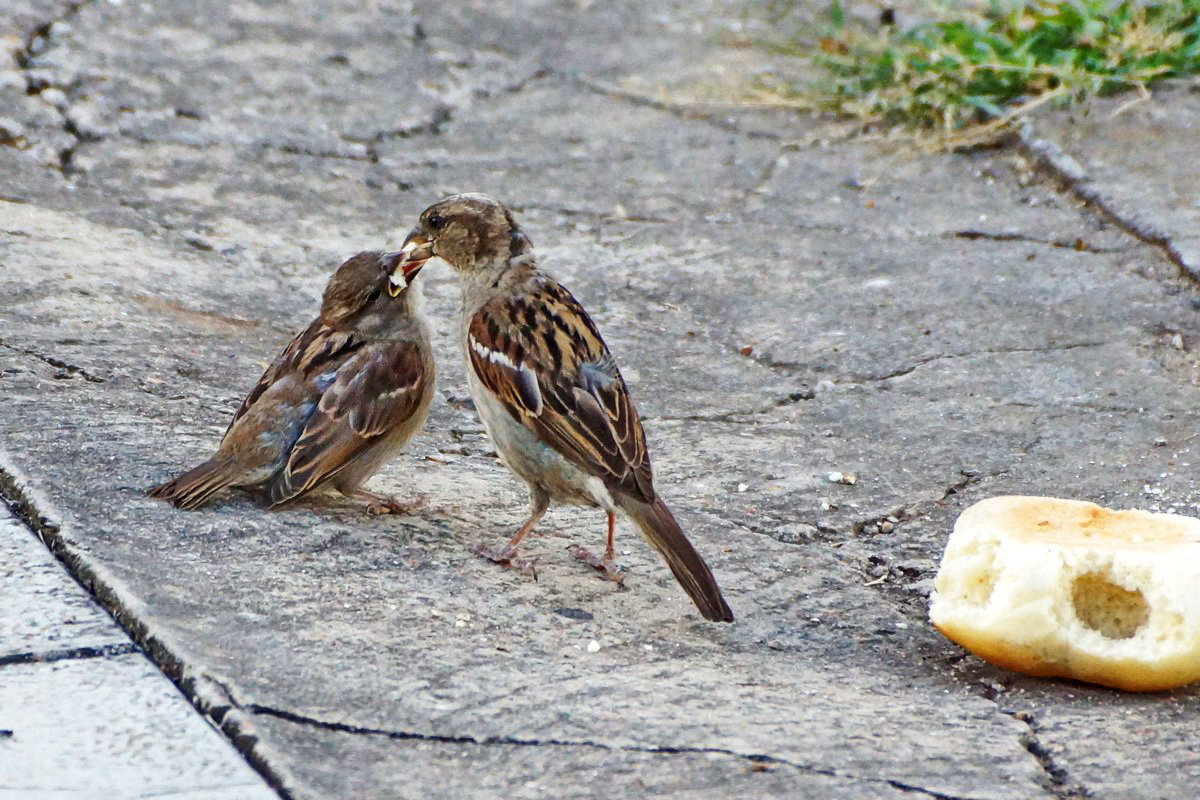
(787,300)
(82,712)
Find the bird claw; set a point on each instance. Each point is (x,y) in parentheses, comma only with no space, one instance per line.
(607,568)
(507,558)
(379,505)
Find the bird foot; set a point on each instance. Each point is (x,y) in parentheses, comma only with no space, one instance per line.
(607,568)
(507,557)
(378,504)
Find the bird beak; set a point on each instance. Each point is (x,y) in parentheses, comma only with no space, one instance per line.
(417,249)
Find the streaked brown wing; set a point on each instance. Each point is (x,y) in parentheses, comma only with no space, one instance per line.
(318,347)
(375,390)
(542,356)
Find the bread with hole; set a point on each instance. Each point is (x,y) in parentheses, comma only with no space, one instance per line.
(1066,588)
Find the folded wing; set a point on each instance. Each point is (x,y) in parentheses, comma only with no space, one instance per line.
(542,356)
(374,389)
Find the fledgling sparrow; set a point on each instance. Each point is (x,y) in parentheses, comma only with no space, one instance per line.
(548,390)
(343,398)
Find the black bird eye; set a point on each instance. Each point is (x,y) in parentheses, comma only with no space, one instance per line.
(435,221)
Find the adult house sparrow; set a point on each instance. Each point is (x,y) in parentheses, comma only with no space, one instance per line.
(344,397)
(548,390)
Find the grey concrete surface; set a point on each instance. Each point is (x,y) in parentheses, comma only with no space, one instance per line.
(1109,148)
(786,301)
(82,713)
(45,611)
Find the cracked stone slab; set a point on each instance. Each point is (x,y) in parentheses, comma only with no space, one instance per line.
(69,676)
(45,610)
(1148,768)
(115,728)
(550,166)
(1077,725)
(769,300)
(1121,153)
(329,579)
(539,770)
(224,73)
(825,616)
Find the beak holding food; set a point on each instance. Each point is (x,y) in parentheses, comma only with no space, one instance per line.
(417,249)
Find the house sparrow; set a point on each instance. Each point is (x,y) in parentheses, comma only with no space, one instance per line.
(548,390)
(337,403)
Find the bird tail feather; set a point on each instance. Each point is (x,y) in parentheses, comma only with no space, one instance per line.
(658,525)
(195,487)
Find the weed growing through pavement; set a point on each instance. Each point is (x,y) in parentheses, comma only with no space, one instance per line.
(967,74)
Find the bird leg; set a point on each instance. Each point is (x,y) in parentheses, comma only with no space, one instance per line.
(507,555)
(607,566)
(385,504)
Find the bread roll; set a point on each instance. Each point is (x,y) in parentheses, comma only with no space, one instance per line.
(1067,588)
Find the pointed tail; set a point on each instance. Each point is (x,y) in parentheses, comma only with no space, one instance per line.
(193,488)
(659,527)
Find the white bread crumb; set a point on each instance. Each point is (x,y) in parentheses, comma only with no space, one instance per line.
(1066,588)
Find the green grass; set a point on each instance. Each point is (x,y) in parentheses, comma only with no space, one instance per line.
(968,74)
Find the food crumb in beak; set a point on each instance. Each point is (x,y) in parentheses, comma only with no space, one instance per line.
(397,283)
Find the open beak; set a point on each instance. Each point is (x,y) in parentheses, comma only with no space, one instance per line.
(417,249)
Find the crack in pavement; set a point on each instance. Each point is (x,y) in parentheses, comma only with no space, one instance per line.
(1050,159)
(680,110)
(99,584)
(58,363)
(801,368)
(902,371)
(511,741)
(1057,778)
(71,654)
(40,40)
(831,533)
(706,112)
(442,114)
(1077,244)
(36,43)
(739,417)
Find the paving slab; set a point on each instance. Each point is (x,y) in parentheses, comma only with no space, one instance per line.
(111,728)
(786,304)
(45,610)
(83,714)
(1130,157)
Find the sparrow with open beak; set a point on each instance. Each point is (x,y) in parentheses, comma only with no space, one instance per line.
(548,390)
(343,398)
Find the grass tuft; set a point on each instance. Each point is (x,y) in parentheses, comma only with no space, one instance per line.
(967,74)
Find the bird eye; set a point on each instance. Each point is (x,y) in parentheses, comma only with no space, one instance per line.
(435,221)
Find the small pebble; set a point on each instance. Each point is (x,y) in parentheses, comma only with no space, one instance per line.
(593,646)
(846,478)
